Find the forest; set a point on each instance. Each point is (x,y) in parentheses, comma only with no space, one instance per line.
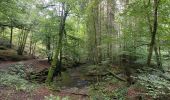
(84,49)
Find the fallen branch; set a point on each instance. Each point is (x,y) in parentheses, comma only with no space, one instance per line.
(80,94)
(117,77)
(92,75)
(73,93)
(103,74)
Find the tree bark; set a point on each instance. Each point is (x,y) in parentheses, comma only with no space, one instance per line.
(158,59)
(154,32)
(11,35)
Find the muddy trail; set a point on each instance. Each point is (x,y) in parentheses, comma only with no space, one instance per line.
(73,83)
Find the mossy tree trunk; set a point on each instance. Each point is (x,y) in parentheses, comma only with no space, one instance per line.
(56,60)
(153,30)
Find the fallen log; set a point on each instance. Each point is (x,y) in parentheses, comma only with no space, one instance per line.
(117,77)
(73,93)
(108,73)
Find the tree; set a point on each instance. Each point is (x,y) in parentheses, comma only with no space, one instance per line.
(56,63)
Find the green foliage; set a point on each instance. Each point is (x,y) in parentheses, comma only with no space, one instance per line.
(52,97)
(16,81)
(120,93)
(15,77)
(136,20)
(100,92)
(156,86)
(17,70)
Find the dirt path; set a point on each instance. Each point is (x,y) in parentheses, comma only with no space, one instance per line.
(37,63)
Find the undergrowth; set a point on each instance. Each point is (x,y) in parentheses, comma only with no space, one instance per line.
(108,90)
(52,97)
(15,78)
(156,86)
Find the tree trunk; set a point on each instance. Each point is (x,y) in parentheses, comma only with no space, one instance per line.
(48,47)
(55,61)
(11,35)
(22,41)
(31,44)
(158,58)
(154,32)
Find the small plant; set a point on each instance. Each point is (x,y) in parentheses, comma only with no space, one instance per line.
(17,69)
(120,93)
(52,97)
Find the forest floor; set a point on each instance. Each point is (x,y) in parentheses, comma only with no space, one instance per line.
(73,84)
(76,93)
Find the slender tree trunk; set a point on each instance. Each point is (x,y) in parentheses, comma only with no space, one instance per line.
(95,39)
(154,32)
(158,59)
(100,33)
(48,47)
(22,41)
(31,44)
(11,35)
